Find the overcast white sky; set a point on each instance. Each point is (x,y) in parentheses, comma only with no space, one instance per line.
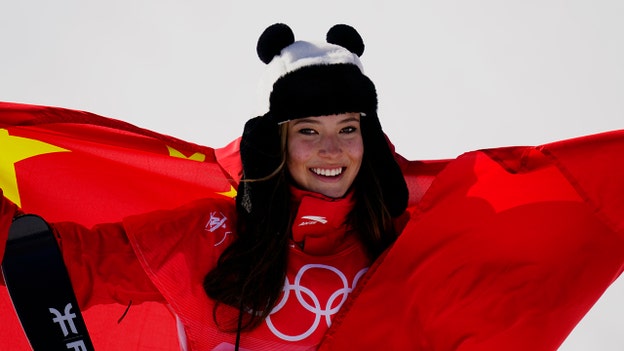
(452,76)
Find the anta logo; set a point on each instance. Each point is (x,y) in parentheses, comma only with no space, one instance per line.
(309,220)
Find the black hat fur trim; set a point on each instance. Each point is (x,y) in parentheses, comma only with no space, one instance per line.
(322,90)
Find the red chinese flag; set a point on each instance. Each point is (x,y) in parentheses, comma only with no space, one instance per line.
(507,250)
(70,165)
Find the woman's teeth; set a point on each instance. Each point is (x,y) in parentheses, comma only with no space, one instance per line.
(327,172)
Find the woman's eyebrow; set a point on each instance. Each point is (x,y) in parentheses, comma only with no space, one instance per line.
(305,120)
(349,120)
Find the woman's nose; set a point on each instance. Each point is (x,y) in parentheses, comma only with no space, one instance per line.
(330,145)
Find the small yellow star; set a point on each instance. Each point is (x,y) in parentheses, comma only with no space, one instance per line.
(230,193)
(12,150)
(201,158)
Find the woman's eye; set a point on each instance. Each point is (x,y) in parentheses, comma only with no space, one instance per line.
(348,130)
(307,131)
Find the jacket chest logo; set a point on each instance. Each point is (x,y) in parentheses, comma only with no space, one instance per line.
(309,220)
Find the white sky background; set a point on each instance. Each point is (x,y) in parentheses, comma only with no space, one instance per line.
(452,76)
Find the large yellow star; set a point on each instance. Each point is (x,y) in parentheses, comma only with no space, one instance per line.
(14,149)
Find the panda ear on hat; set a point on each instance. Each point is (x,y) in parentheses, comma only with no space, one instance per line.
(347,37)
(275,38)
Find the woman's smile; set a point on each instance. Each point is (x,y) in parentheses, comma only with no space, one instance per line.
(327,172)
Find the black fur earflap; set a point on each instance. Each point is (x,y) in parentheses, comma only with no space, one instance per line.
(347,37)
(273,40)
(261,155)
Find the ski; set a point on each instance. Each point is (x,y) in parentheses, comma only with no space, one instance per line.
(40,288)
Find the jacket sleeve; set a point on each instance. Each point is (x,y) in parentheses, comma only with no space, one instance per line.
(102,265)
(100,261)
(130,260)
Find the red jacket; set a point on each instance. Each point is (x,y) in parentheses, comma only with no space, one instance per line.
(163,256)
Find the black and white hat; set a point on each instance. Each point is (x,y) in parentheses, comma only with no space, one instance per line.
(306,79)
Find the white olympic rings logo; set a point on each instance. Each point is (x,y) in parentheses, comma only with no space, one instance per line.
(316,308)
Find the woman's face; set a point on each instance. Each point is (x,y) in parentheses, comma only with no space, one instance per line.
(324,153)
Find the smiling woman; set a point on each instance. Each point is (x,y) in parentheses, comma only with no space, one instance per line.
(325,109)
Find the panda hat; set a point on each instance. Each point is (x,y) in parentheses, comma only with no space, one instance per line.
(307,79)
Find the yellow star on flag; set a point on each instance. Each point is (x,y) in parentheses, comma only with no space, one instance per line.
(230,193)
(198,156)
(14,149)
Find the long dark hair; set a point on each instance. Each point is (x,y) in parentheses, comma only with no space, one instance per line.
(250,273)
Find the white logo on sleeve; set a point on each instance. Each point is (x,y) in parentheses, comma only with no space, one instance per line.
(217,220)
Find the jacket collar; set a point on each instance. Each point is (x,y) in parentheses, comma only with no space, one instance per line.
(320,227)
